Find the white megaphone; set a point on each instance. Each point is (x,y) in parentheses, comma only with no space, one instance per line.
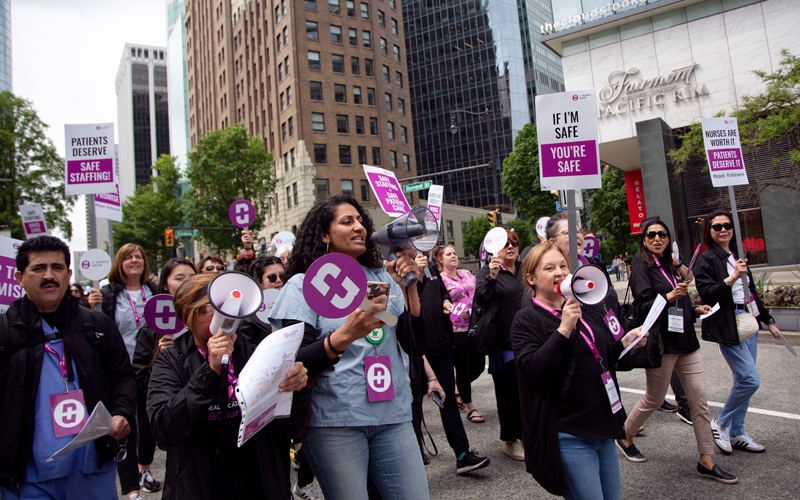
(588,285)
(234,296)
(414,230)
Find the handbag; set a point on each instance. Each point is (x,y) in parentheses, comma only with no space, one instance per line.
(482,335)
(746,326)
(646,357)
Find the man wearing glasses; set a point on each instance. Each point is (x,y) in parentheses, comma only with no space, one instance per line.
(58,360)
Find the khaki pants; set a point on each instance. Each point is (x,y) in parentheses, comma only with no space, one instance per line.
(690,370)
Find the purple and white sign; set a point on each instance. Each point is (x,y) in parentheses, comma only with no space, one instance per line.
(591,247)
(270,295)
(68,412)
(335,285)
(569,150)
(242,213)
(160,315)
(283,238)
(724,152)
(108,205)
(484,255)
(435,201)
(495,240)
(10,290)
(541,226)
(95,264)
(378,370)
(387,191)
(89,158)
(33,220)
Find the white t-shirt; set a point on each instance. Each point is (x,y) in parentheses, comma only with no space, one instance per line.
(737,288)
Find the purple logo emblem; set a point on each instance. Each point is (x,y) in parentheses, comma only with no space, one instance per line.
(242,213)
(334,285)
(85,264)
(379,378)
(591,247)
(160,315)
(574,97)
(68,412)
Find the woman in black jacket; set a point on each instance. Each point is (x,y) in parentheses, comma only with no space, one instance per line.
(570,397)
(498,287)
(653,273)
(197,419)
(719,275)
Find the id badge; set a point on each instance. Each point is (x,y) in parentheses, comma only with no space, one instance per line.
(611,392)
(378,370)
(675,317)
(613,324)
(752,307)
(68,412)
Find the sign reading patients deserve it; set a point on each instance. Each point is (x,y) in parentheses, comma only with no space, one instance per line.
(334,285)
(10,290)
(724,152)
(95,264)
(242,213)
(435,199)
(89,159)
(270,295)
(569,152)
(160,315)
(387,190)
(108,205)
(33,220)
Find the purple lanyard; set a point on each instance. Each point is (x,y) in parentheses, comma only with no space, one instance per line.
(136,314)
(589,343)
(62,361)
(231,376)
(673,282)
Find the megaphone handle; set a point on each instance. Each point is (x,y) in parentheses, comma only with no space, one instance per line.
(224,361)
(410,280)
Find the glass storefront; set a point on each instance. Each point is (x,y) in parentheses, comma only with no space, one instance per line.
(752,232)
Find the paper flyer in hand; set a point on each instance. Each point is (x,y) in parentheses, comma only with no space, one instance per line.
(712,311)
(97,425)
(257,389)
(787,345)
(649,321)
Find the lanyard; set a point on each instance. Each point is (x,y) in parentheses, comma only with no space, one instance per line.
(136,314)
(589,343)
(62,361)
(231,375)
(674,281)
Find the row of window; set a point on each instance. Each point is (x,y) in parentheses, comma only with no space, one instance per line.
(345,157)
(343,126)
(336,36)
(337,65)
(324,192)
(334,7)
(340,95)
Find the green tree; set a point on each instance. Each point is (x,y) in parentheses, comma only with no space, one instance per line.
(226,166)
(522,229)
(152,209)
(521,177)
(30,169)
(474,233)
(609,213)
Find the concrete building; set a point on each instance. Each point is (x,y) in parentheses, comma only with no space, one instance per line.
(660,66)
(5,46)
(176,83)
(142,114)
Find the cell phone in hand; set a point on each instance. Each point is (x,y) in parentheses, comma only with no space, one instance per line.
(437,399)
(377,288)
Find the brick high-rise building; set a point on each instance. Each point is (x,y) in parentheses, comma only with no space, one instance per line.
(323,82)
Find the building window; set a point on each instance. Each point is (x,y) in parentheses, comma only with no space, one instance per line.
(283,136)
(356,95)
(355,66)
(288,196)
(388,100)
(286,63)
(347,186)
(370,96)
(285,35)
(376,156)
(277,49)
(338,63)
(280,77)
(394,26)
(290,121)
(318,122)
(289,96)
(282,100)
(313,60)
(333,6)
(396,53)
(398,79)
(386,73)
(292,157)
(362,155)
(320,153)
(449,226)
(322,189)
(336,34)
(283,7)
(353,36)
(344,155)
(366,37)
(285,162)
(381,19)
(384,47)
(392,4)
(351,8)
(312,32)
(311,4)
(368,67)
(364,10)
(277,15)
(393,159)
(342,124)
(316,91)
(401,107)
(403,135)
(294,193)
(360,125)
(390,129)
(373,126)
(406,163)
(340,93)
(364,190)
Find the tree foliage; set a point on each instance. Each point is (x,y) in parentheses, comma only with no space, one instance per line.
(474,233)
(226,166)
(30,168)
(524,231)
(521,177)
(152,209)
(608,213)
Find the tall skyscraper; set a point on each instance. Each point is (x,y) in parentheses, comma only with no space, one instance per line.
(474,71)
(142,114)
(323,82)
(5,46)
(176,83)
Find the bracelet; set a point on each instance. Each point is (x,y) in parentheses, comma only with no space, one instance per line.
(333,349)
(432,380)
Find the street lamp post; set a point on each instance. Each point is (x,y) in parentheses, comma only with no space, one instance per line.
(485,114)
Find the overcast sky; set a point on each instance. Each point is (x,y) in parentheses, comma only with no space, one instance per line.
(65,59)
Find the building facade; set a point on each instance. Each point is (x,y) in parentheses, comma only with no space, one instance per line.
(5,46)
(176,84)
(661,66)
(142,114)
(324,83)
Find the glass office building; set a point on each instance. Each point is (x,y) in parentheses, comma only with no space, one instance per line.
(5,46)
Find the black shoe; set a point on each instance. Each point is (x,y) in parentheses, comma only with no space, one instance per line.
(148,482)
(668,407)
(716,474)
(631,452)
(685,414)
(470,462)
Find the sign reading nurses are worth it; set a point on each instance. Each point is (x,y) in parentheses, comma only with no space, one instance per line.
(569,152)
(89,159)
(724,152)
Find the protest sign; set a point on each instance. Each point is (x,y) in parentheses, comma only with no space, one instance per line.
(33,220)
(435,199)
(387,190)
(108,205)
(10,290)
(724,152)
(89,158)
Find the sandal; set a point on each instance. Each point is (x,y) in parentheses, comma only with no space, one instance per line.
(460,402)
(475,419)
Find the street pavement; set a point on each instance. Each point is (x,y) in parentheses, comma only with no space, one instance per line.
(668,443)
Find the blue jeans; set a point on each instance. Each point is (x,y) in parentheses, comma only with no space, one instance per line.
(341,458)
(591,466)
(742,361)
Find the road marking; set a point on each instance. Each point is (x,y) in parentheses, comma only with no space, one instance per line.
(791,416)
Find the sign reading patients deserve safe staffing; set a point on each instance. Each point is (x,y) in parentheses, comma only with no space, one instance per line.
(724,152)
(569,152)
(33,220)
(387,190)
(89,159)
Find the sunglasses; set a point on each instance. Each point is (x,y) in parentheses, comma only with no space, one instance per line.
(719,227)
(651,235)
(511,243)
(217,267)
(274,277)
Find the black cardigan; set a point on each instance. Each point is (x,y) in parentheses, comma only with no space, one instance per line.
(506,290)
(432,294)
(710,271)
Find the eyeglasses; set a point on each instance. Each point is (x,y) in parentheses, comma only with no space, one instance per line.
(719,227)
(217,267)
(274,277)
(651,235)
(204,311)
(511,243)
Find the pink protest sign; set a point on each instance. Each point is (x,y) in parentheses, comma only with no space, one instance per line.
(335,285)
(10,290)
(89,158)
(435,200)
(569,151)
(108,205)
(242,213)
(160,315)
(724,152)
(591,247)
(387,190)
(33,220)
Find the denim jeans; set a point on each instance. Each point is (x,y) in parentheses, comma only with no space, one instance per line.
(591,466)
(742,361)
(341,458)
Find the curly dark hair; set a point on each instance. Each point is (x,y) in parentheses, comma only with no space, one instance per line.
(308,246)
(707,239)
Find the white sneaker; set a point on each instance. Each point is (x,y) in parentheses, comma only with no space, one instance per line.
(721,437)
(746,443)
(308,492)
(514,450)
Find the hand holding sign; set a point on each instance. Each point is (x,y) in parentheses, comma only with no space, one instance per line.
(495,240)
(242,213)
(159,312)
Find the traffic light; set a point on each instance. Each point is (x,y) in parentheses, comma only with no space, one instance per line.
(169,237)
(492,218)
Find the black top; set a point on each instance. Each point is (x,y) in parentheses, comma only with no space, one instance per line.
(506,290)
(432,294)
